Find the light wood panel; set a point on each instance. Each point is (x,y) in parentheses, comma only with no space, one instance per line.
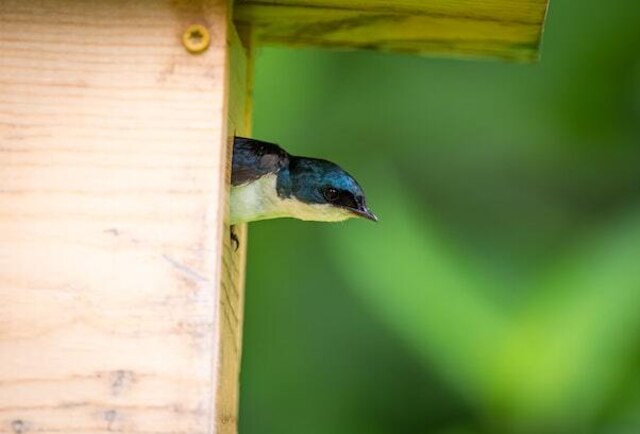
(509,29)
(113,148)
(234,256)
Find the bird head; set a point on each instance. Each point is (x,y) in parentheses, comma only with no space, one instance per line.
(327,191)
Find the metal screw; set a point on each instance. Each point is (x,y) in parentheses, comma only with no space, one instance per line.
(196,38)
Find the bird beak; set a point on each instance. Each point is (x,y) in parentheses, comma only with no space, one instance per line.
(366,213)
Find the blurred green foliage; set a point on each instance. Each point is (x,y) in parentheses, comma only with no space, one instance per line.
(500,293)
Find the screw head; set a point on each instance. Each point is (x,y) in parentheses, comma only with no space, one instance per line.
(196,38)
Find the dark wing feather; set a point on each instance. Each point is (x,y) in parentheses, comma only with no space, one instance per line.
(253,159)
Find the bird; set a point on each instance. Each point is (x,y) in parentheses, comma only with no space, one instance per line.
(267,183)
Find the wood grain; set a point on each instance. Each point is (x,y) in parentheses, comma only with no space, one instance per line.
(113,148)
(508,29)
(234,257)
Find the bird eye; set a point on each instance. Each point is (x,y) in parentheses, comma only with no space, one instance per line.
(330,194)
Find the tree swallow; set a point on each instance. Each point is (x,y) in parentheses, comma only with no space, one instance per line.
(267,183)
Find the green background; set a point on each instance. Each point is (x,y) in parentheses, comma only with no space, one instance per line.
(500,292)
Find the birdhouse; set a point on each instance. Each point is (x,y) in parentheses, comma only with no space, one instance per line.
(122,295)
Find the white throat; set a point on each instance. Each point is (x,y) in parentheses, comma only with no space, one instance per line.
(259,200)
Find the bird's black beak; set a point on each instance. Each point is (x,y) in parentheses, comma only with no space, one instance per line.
(366,213)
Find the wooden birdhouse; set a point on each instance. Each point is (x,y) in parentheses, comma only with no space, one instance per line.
(122,297)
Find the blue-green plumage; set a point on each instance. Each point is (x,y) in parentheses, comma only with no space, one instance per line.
(267,183)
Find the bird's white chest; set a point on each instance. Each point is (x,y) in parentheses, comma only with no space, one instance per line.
(254,200)
(259,200)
